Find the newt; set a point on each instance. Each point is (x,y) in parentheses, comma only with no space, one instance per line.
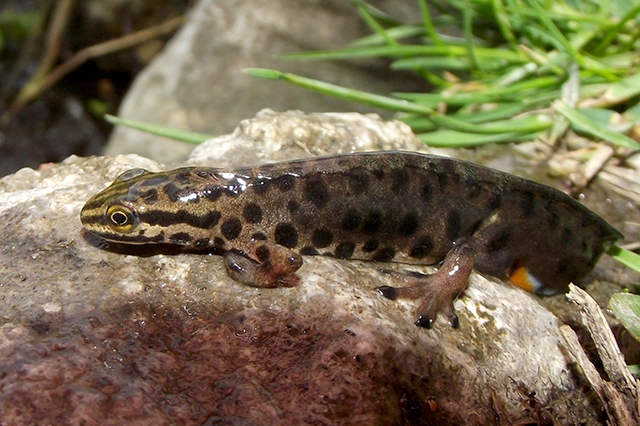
(379,206)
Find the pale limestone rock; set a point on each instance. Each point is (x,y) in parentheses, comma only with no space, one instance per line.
(94,336)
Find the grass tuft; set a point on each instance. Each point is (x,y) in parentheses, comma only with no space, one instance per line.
(493,62)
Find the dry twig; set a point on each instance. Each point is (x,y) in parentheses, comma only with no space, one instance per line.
(620,396)
(35,87)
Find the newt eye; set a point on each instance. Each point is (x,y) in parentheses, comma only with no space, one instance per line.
(121,218)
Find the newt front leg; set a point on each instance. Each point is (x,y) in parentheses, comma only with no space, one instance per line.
(268,265)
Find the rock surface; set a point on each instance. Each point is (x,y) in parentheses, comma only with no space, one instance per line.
(93,335)
(197,83)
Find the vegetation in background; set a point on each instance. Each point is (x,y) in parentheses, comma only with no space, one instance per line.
(503,70)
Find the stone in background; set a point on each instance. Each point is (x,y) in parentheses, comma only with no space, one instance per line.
(197,83)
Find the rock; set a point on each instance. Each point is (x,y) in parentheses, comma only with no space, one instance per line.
(197,83)
(96,335)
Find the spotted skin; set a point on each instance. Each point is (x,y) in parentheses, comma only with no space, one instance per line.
(381,206)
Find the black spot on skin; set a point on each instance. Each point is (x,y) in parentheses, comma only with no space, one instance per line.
(495,201)
(150,196)
(426,194)
(309,251)
(155,181)
(358,180)
(212,193)
(165,219)
(180,238)
(527,203)
(232,188)
(372,223)
(316,192)
(183,176)
(261,186)
(293,206)
(370,246)
(252,213)
(172,191)
(141,233)
(231,228)
(262,253)
(286,182)
(442,179)
(345,250)
(259,236)
(321,238)
(422,248)
(562,266)
(378,173)
(453,225)
(567,236)
(202,242)
(351,220)
(499,241)
(218,242)
(584,248)
(384,255)
(399,181)
(474,191)
(286,235)
(266,266)
(409,225)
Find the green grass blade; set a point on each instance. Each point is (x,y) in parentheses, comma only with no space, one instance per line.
(500,111)
(428,23)
(408,50)
(584,124)
(555,33)
(448,63)
(502,19)
(626,257)
(457,99)
(615,30)
(167,132)
(418,123)
(373,24)
(386,102)
(452,139)
(397,33)
(626,307)
(623,90)
(379,101)
(467,29)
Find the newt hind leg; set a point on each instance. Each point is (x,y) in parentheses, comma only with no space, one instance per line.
(436,292)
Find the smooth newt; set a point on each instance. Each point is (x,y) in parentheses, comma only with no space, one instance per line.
(381,206)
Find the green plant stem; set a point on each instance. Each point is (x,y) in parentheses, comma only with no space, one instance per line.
(386,102)
(428,23)
(586,125)
(614,31)
(167,132)
(374,25)
(626,257)
(467,28)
